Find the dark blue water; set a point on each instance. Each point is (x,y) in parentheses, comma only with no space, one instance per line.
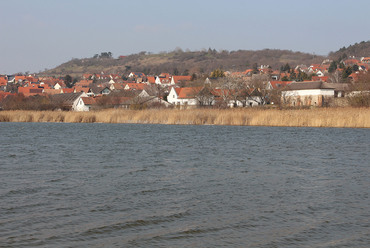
(122,185)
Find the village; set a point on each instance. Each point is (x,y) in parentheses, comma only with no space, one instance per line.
(316,85)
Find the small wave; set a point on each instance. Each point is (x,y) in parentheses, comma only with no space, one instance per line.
(134,223)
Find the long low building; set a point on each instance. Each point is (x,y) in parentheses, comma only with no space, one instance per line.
(315,93)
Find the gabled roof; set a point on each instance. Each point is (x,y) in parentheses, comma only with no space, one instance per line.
(3,81)
(279,84)
(135,86)
(118,86)
(137,74)
(317,78)
(89,100)
(178,79)
(52,91)
(20,78)
(164,75)
(68,90)
(351,61)
(151,79)
(81,89)
(187,92)
(84,83)
(309,85)
(67,98)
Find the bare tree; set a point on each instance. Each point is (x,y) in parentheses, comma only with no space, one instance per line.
(204,96)
(336,77)
(259,85)
(234,90)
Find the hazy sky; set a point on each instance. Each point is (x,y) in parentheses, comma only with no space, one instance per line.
(39,34)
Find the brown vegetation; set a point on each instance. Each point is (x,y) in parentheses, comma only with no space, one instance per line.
(358,50)
(185,63)
(321,117)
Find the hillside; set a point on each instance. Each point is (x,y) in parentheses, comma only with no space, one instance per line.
(361,49)
(180,62)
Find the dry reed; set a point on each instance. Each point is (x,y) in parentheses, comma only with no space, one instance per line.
(319,117)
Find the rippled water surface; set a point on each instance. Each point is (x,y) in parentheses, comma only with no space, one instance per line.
(122,185)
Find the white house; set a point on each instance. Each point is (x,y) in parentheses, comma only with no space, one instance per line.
(315,93)
(72,101)
(57,86)
(183,96)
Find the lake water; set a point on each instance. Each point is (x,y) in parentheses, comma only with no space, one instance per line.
(123,185)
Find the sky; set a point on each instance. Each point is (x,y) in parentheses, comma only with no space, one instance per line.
(42,34)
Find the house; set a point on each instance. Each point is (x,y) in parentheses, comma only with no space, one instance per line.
(179,79)
(81,89)
(88,103)
(68,90)
(58,86)
(3,81)
(163,80)
(277,85)
(237,98)
(134,86)
(183,96)
(117,86)
(322,78)
(70,101)
(136,75)
(365,60)
(30,91)
(52,91)
(96,90)
(84,83)
(150,80)
(314,93)
(144,98)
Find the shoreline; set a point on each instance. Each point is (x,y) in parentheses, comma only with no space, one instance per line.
(318,117)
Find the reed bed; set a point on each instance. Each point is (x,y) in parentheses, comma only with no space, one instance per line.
(319,117)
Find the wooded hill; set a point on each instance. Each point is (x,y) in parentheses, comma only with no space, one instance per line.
(179,62)
(361,49)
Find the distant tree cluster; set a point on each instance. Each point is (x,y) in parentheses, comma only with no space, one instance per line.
(103,55)
(217,73)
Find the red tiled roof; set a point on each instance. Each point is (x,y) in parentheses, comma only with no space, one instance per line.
(135,86)
(68,90)
(151,79)
(17,78)
(51,91)
(81,89)
(88,100)
(187,92)
(317,78)
(30,91)
(178,79)
(279,84)
(3,81)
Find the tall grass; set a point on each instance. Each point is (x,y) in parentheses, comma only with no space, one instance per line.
(320,117)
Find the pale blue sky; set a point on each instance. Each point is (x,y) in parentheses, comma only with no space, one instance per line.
(39,34)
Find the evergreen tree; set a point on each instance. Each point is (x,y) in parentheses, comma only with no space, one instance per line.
(286,67)
(255,68)
(346,72)
(333,67)
(285,78)
(217,73)
(68,80)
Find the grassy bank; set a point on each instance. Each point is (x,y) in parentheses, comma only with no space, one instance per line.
(321,117)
